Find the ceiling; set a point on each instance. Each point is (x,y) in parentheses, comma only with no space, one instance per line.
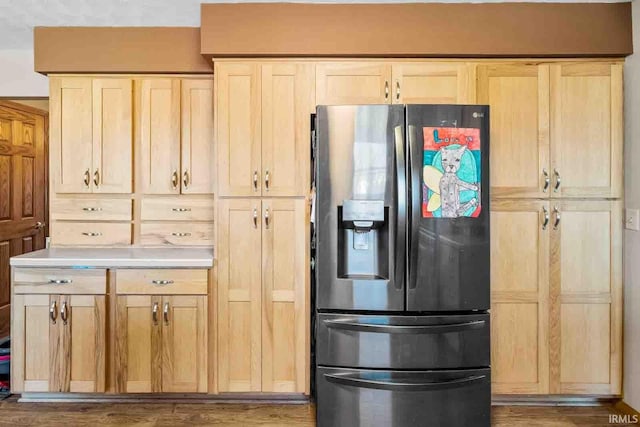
(18,17)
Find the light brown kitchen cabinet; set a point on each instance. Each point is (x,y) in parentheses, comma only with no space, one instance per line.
(91,135)
(340,83)
(433,83)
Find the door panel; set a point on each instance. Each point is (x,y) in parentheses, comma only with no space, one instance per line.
(518,96)
(160,135)
(349,83)
(198,165)
(433,83)
(239,295)
(238,123)
(587,129)
(284,294)
(287,103)
(112,136)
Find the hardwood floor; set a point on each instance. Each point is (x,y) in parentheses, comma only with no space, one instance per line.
(249,415)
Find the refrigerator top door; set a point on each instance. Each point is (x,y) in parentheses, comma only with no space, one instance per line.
(360,210)
(448,244)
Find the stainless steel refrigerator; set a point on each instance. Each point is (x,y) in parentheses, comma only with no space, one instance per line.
(401,265)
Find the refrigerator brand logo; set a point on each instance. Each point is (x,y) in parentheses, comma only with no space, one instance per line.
(476,114)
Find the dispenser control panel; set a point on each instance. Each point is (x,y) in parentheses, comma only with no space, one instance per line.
(363,210)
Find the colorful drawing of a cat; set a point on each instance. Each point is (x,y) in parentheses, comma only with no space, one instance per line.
(451,185)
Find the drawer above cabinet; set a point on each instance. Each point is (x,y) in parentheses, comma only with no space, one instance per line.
(177,209)
(162,282)
(177,234)
(91,209)
(59,281)
(90,233)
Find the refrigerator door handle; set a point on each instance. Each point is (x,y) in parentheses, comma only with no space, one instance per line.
(413,210)
(404,329)
(348,380)
(401,206)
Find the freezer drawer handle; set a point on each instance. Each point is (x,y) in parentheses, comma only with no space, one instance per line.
(404,329)
(344,379)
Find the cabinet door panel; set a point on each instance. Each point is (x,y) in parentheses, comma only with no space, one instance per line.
(71,135)
(586,129)
(239,295)
(284,309)
(346,83)
(586,298)
(518,95)
(198,166)
(519,297)
(160,135)
(433,83)
(112,136)
(184,344)
(287,103)
(238,125)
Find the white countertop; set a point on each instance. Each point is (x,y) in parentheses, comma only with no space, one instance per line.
(117,258)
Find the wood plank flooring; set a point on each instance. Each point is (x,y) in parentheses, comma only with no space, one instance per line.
(249,415)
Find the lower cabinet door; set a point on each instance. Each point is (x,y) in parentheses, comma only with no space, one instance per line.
(363,397)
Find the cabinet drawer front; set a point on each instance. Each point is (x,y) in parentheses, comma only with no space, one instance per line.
(91,209)
(59,281)
(162,282)
(90,233)
(177,209)
(177,233)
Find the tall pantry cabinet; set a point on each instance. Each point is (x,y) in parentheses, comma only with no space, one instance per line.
(556,187)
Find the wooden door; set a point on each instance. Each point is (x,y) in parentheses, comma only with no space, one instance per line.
(160,135)
(287,105)
(340,83)
(71,134)
(586,129)
(35,337)
(184,344)
(138,348)
(83,343)
(433,83)
(23,191)
(238,122)
(197,166)
(285,311)
(518,95)
(239,295)
(112,136)
(586,298)
(520,296)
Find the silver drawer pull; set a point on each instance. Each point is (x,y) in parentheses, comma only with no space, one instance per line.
(92,209)
(91,234)
(181,234)
(181,209)
(162,282)
(60,281)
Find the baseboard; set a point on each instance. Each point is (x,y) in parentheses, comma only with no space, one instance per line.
(624,408)
(552,400)
(272,398)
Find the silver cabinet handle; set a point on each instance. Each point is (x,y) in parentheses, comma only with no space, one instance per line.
(556,212)
(87,178)
(64,315)
(91,233)
(178,234)
(165,312)
(154,313)
(266,218)
(174,179)
(546,180)
(266,180)
(255,180)
(39,225)
(181,209)
(185,179)
(386,89)
(397,90)
(96,178)
(60,281)
(545,222)
(53,313)
(558,182)
(162,282)
(91,209)
(255,218)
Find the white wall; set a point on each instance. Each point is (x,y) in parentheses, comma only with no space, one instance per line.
(632,238)
(17,78)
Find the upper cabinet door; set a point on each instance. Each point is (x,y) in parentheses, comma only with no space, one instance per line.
(160,135)
(345,83)
(198,167)
(71,138)
(586,130)
(112,136)
(238,129)
(433,83)
(287,104)
(518,96)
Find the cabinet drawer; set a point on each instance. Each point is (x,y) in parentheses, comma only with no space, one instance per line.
(162,282)
(177,209)
(90,233)
(177,233)
(91,209)
(59,281)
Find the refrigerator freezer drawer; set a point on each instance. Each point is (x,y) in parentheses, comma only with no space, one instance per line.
(403,342)
(362,397)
